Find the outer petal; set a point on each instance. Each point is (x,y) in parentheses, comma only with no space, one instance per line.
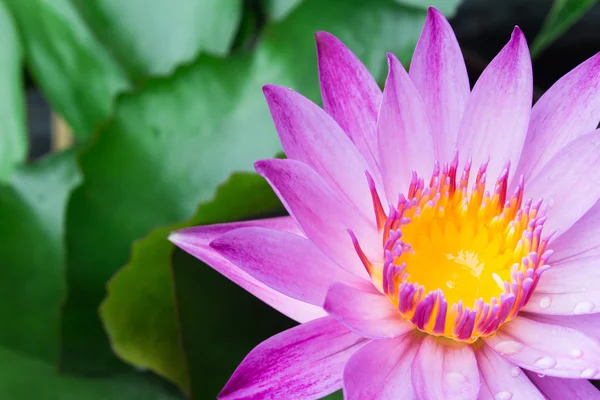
(569,182)
(569,109)
(368,313)
(283,261)
(439,73)
(350,94)
(502,380)
(560,388)
(405,141)
(305,362)
(445,369)
(568,288)
(310,135)
(321,212)
(381,370)
(547,348)
(497,113)
(581,240)
(196,242)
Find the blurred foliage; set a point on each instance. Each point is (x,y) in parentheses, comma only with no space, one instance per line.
(562,16)
(165,100)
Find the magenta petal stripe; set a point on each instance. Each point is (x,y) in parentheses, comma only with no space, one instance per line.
(405,141)
(569,109)
(548,349)
(368,313)
(350,95)
(288,263)
(305,362)
(196,242)
(497,112)
(321,213)
(561,388)
(445,370)
(381,370)
(502,380)
(439,73)
(308,134)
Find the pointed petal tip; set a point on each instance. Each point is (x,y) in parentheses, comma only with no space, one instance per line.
(324,37)
(518,37)
(433,12)
(176,237)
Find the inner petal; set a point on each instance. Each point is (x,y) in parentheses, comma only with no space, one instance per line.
(460,261)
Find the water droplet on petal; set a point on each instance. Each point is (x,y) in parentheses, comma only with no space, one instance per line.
(515,372)
(541,375)
(545,302)
(589,373)
(454,380)
(545,362)
(585,307)
(575,353)
(503,396)
(509,347)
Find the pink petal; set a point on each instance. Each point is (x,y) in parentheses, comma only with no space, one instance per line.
(350,94)
(569,182)
(581,240)
(305,362)
(568,288)
(368,313)
(308,134)
(502,380)
(382,370)
(283,261)
(560,388)
(546,348)
(569,109)
(439,73)
(405,140)
(497,113)
(322,213)
(445,370)
(196,242)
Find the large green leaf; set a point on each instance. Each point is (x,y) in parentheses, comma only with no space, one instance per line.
(31,255)
(76,74)
(562,16)
(153,37)
(13,136)
(279,9)
(23,377)
(172,143)
(140,313)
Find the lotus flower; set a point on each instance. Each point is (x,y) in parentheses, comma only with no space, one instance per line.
(443,243)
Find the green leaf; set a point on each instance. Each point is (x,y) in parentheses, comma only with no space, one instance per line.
(13,134)
(31,255)
(140,314)
(23,377)
(153,37)
(563,15)
(279,9)
(76,74)
(172,143)
(447,7)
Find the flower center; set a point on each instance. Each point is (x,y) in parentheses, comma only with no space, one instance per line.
(457,262)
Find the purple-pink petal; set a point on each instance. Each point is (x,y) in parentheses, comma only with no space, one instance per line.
(366,312)
(581,240)
(439,73)
(305,362)
(445,369)
(561,388)
(405,140)
(196,242)
(502,380)
(381,370)
(569,182)
(350,95)
(569,109)
(308,134)
(322,213)
(497,112)
(547,348)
